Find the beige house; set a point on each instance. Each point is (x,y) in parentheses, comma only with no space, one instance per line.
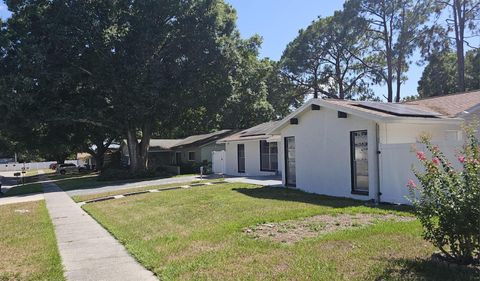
(187,153)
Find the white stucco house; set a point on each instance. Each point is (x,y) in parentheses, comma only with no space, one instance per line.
(354,149)
(363,150)
(253,152)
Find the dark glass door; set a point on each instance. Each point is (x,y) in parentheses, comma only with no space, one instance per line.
(359,161)
(241,158)
(290,173)
(178,158)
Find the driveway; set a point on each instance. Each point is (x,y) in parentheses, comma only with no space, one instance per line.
(8,180)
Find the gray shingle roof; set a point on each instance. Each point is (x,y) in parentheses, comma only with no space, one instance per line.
(202,139)
(256,132)
(163,144)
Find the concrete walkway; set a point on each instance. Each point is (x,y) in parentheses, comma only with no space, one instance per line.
(88,251)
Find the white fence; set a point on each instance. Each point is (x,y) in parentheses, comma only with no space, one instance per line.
(218,162)
(30,166)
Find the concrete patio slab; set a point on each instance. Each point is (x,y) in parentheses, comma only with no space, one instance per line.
(263,181)
(88,251)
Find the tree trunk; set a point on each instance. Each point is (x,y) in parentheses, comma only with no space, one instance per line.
(132,144)
(138,151)
(338,74)
(315,83)
(399,76)
(459,26)
(389,54)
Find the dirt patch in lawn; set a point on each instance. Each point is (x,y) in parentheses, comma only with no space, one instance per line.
(295,230)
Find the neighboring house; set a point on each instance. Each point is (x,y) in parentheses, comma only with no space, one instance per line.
(86,160)
(160,152)
(253,152)
(191,151)
(363,150)
(198,148)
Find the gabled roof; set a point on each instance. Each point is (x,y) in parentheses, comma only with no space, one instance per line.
(260,131)
(360,109)
(454,105)
(199,140)
(163,144)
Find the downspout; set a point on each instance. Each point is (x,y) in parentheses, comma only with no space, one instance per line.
(377,135)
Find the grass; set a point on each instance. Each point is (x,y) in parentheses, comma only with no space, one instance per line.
(197,234)
(28,188)
(31,185)
(88,181)
(82,198)
(28,248)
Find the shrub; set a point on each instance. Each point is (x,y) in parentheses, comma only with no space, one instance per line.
(447,202)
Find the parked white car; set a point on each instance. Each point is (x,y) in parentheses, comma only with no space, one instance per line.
(68,168)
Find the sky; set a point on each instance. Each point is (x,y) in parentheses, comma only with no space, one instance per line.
(278,22)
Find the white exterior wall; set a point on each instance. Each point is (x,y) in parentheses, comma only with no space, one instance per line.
(252,158)
(322,153)
(398,143)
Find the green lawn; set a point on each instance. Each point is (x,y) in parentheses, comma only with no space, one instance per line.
(27,188)
(30,185)
(82,198)
(82,181)
(28,248)
(198,234)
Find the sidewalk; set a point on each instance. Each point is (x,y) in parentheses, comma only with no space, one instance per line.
(21,198)
(88,251)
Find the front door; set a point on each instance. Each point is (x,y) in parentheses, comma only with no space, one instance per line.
(290,173)
(241,158)
(359,161)
(178,158)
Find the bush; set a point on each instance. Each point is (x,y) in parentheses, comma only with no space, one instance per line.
(194,168)
(448,201)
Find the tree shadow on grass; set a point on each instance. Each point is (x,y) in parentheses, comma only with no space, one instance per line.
(426,270)
(294,195)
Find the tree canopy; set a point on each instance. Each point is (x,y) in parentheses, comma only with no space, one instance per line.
(86,72)
(440,75)
(330,57)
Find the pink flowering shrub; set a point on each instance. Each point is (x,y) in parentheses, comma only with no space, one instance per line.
(447,201)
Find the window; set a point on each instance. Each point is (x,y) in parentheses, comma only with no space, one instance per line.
(241,158)
(359,161)
(268,156)
(191,156)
